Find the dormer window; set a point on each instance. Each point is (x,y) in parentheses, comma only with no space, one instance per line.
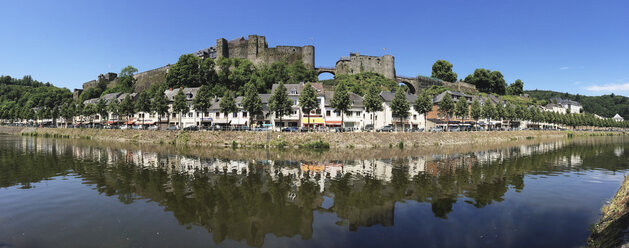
(293,91)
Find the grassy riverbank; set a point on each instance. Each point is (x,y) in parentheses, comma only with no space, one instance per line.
(218,139)
(610,230)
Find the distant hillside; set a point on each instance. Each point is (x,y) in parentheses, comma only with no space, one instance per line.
(605,105)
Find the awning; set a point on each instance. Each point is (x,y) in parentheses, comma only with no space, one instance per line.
(333,123)
(206,119)
(145,123)
(129,122)
(239,122)
(221,121)
(313,120)
(112,122)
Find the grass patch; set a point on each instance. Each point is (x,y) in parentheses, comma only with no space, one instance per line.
(316,145)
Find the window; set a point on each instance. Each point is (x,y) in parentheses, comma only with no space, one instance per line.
(293,91)
(327,113)
(198,114)
(244,114)
(225,115)
(294,112)
(190,114)
(414,117)
(235,115)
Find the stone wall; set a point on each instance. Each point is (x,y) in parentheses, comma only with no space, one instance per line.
(357,63)
(257,51)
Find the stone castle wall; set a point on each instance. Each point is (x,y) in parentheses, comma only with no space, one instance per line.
(257,51)
(357,63)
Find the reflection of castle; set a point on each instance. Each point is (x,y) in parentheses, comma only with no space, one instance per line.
(246,200)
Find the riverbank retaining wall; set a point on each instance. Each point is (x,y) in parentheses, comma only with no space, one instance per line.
(290,140)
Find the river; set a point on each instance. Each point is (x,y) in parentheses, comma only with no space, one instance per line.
(69,193)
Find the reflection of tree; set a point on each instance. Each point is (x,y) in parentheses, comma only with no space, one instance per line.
(259,201)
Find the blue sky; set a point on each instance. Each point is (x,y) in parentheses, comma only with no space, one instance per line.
(568,46)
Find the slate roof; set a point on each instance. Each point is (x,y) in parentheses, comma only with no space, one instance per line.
(299,87)
(357,100)
(387,97)
(190,93)
(564,101)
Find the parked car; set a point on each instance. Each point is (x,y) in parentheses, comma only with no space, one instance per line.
(172,128)
(368,128)
(191,128)
(435,129)
(387,128)
(290,129)
(138,127)
(153,127)
(124,127)
(261,129)
(454,129)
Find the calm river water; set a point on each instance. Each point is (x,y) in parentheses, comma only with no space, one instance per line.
(66,193)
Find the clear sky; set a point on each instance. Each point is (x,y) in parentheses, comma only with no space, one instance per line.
(569,46)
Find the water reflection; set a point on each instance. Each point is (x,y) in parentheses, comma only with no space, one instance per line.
(248,199)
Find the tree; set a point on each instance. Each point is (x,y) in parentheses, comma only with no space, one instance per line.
(461,108)
(101,109)
(475,110)
(208,73)
(180,105)
(203,100)
(252,102)
(186,72)
(126,81)
(442,69)
(114,107)
(159,105)
(143,104)
(297,72)
(68,112)
(446,106)
(423,105)
(500,113)
(487,81)
(241,73)
(516,88)
(308,100)
(90,110)
(126,106)
(341,101)
(509,113)
(373,102)
(227,103)
(489,111)
(279,103)
(400,106)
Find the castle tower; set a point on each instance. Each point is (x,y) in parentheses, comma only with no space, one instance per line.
(222,49)
(252,48)
(388,62)
(308,56)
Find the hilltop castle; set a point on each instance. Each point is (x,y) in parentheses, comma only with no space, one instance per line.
(256,50)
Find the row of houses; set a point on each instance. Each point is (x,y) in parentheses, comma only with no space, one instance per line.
(325,116)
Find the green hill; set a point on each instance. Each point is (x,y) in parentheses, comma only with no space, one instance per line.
(605,105)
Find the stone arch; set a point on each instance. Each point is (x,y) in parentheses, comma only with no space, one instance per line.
(325,73)
(409,84)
